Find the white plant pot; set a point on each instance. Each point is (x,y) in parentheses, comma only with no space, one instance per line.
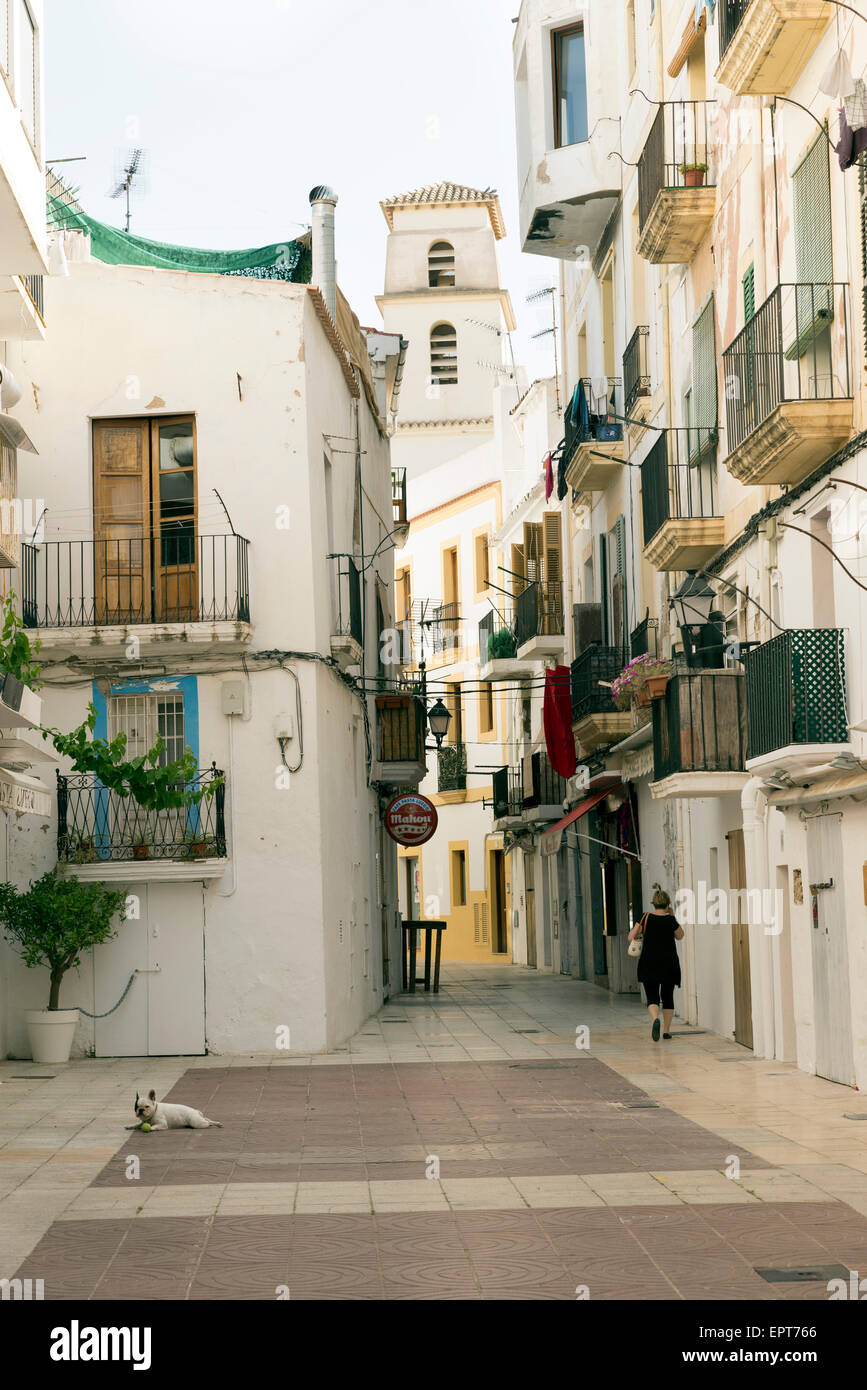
(51,1032)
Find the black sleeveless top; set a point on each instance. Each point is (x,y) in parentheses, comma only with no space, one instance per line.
(659,960)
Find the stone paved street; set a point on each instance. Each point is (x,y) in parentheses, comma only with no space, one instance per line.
(460,1147)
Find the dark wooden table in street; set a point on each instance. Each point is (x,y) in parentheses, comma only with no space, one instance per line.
(410,946)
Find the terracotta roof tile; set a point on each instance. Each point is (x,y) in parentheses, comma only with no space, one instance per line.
(447,195)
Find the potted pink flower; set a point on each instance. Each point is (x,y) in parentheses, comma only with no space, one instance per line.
(642,680)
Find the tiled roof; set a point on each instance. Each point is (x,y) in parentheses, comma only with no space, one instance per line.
(447,195)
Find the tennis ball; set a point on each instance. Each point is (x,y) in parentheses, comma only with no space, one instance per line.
(146,1127)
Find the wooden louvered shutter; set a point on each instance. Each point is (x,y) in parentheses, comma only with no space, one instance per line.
(749,285)
(552,569)
(618,586)
(811,192)
(704,392)
(533,546)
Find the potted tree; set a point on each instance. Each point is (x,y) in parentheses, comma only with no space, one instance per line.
(140,846)
(693,175)
(52,923)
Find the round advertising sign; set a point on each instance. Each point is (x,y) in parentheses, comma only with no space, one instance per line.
(411,819)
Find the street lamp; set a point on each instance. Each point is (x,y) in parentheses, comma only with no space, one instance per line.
(693,604)
(439,719)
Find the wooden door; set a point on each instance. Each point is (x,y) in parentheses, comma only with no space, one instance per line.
(121,521)
(176,558)
(530,899)
(740,941)
(832,1008)
(498,885)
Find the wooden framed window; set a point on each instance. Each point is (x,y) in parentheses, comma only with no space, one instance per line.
(146,552)
(441,266)
(444,355)
(454,705)
(486,708)
(482,566)
(459,877)
(570,85)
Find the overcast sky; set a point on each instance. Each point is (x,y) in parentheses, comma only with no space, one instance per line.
(243,108)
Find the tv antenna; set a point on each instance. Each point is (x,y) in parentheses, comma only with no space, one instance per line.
(133,170)
(535,298)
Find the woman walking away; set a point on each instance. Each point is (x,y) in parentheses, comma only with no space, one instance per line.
(659,965)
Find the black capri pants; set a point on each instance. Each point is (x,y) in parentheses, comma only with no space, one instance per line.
(652,990)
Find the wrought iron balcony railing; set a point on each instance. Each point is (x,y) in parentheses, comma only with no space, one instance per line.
(542,785)
(597,663)
(348,618)
(508,792)
(496,636)
(446,628)
(678,153)
(700,724)
(96,825)
(679,478)
(636,368)
(539,611)
(731,12)
(584,422)
(796,690)
(644,639)
(452,768)
(174,578)
(794,348)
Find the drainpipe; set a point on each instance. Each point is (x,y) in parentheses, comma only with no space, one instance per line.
(323,201)
(754,805)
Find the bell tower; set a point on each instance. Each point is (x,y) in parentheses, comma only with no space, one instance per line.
(443,293)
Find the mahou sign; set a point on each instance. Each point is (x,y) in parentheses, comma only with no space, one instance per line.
(411,819)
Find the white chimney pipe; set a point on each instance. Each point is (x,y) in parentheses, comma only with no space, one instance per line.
(323,201)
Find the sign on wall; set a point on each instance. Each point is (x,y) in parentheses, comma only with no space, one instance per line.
(411,819)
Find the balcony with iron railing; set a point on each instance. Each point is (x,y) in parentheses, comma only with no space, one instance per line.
(681,513)
(398,503)
(636,368)
(401,732)
(22,315)
(446,631)
(765,44)
(452,768)
(508,793)
(97,827)
(676,182)
(596,720)
(162,583)
(593,449)
(539,627)
(644,638)
(789,384)
(498,646)
(700,734)
(796,699)
(544,789)
(347,635)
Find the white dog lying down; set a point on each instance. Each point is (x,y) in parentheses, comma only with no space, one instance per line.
(162,1115)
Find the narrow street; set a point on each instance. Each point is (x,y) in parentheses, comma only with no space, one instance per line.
(460,1147)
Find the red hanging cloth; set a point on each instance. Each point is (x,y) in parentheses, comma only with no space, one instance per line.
(559,739)
(549,478)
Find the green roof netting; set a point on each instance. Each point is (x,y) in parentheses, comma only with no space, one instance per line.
(285,260)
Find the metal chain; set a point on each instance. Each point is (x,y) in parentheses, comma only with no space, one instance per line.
(88,1014)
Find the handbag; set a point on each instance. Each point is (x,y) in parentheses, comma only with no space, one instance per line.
(635,947)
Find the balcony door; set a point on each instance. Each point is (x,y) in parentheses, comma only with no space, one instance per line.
(144,521)
(832,999)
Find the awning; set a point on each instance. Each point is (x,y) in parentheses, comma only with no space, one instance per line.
(20,793)
(552,846)
(14,434)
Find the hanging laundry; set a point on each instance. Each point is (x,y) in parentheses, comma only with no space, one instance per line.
(562,485)
(851,143)
(599,395)
(856,106)
(838,81)
(57,264)
(549,478)
(557,719)
(700,7)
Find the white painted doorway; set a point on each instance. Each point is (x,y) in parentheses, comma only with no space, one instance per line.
(164,1013)
(832,1009)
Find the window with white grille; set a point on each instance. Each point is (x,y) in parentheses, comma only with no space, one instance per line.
(144,718)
